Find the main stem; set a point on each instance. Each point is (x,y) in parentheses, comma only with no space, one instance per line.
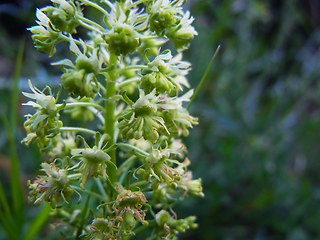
(110,115)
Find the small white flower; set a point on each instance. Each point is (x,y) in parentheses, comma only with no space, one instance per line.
(168,71)
(43,101)
(185,25)
(173,6)
(166,63)
(136,20)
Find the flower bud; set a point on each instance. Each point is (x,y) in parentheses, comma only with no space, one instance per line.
(79,83)
(144,106)
(129,221)
(150,47)
(158,81)
(122,40)
(162,217)
(194,187)
(89,65)
(127,198)
(180,40)
(160,21)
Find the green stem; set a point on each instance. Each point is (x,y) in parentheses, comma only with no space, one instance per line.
(132,67)
(90,27)
(102,87)
(88,21)
(94,194)
(82,104)
(67,39)
(136,3)
(101,9)
(134,148)
(149,37)
(203,77)
(74,177)
(110,113)
(131,80)
(77,129)
(64,214)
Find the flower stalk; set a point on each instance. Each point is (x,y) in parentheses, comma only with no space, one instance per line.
(126,105)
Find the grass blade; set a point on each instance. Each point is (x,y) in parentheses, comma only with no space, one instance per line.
(38,222)
(15,185)
(11,126)
(83,215)
(16,189)
(7,226)
(5,216)
(4,206)
(15,89)
(203,77)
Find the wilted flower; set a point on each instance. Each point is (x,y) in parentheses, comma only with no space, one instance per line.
(101,229)
(52,187)
(128,212)
(130,202)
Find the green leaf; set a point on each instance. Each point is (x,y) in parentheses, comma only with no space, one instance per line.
(38,222)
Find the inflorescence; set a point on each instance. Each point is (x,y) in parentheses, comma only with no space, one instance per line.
(130,163)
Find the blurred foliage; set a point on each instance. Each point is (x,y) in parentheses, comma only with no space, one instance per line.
(256,145)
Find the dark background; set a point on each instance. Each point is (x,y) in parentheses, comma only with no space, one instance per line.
(257,145)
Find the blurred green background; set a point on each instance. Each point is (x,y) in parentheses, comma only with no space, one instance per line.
(256,147)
